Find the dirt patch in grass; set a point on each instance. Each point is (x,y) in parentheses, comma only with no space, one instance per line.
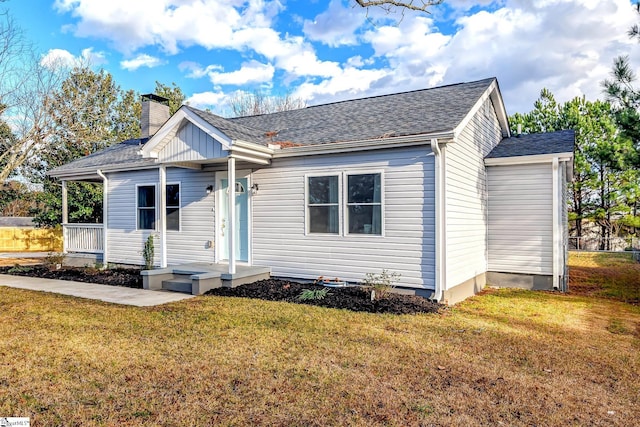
(129,278)
(350,298)
(608,275)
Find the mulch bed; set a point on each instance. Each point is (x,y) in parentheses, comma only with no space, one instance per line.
(350,298)
(127,277)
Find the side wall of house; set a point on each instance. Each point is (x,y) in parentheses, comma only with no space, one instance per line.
(466,196)
(190,244)
(520,219)
(408,243)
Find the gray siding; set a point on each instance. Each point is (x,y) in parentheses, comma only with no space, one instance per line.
(190,144)
(466,196)
(197,218)
(520,219)
(125,242)
(407,247)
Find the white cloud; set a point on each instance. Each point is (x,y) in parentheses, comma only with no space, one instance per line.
(250,72)
(142,60)
(57,58)
(565,45)
(216,102)
(334,27)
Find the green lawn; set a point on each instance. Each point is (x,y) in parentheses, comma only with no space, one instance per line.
(505,357)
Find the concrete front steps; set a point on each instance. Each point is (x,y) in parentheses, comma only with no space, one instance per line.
(196,278)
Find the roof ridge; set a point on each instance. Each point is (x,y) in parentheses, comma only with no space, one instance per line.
(344,101)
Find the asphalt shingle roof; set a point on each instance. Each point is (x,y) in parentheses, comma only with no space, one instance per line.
(424,111)
(126,152)
(535,143)
(438,109)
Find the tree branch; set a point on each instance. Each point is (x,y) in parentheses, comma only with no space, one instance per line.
(417,5)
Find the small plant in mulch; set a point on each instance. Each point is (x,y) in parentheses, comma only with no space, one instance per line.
(54,260)
(313,294)
(381,284)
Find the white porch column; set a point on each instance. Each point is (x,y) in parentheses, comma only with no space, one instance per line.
(65,216)
(556,219)
(232,214)
(105,218)
(163,216)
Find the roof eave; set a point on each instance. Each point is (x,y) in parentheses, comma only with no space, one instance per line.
(363,145)
(533,158)
(492,92)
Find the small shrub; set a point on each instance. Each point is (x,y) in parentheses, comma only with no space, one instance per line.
(148,253)
(381,284)
(54,260)
(19,269)
(313,294)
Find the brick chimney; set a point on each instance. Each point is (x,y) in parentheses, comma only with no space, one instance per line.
(155,111)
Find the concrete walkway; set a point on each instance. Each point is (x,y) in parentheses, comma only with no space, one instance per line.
(112,294)
(23,254)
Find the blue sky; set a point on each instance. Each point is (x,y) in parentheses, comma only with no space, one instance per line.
(325,51)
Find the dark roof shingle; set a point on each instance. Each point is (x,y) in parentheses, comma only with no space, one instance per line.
(534,144)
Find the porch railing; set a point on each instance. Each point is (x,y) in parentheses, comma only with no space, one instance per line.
(88,238)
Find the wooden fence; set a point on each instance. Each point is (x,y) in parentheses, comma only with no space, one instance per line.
(29,239)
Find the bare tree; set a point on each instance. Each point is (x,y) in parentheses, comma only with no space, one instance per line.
(25,85)
(255,103)
(389,5)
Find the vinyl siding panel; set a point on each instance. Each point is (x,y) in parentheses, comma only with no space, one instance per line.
(197,220)
(190,144)
(196,210)
(520,219)
(408,243)
(466,196)
(125,242)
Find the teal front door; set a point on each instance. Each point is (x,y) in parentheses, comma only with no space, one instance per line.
(241,224)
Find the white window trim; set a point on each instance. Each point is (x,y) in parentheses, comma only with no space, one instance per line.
(179,184)
(345,207)
(155,208)
(307,223)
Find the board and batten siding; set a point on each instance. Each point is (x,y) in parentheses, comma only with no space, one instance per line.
(520,219)
(408,244)
(466,196)
(197,224)
(190,144)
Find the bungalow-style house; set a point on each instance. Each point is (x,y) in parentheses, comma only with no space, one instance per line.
(429,184)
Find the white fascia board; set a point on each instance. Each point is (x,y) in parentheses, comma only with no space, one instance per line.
(493,92)
(363,145)
(252,146)
(236,148)
(523,160)
(155,143)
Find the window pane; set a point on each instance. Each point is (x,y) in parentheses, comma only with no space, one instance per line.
(323,189)
(365,219)
(173,219)
(146,219)
(364,188)
(146,196)
(173,195)
(323,219)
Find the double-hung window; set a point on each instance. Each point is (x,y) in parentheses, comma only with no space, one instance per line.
(364,203)
(323,204)
(146,207)
(173,207)
(361,207)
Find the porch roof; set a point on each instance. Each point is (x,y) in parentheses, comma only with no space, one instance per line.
(125,155)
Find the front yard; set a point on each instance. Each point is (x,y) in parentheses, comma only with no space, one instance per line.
(505,357)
